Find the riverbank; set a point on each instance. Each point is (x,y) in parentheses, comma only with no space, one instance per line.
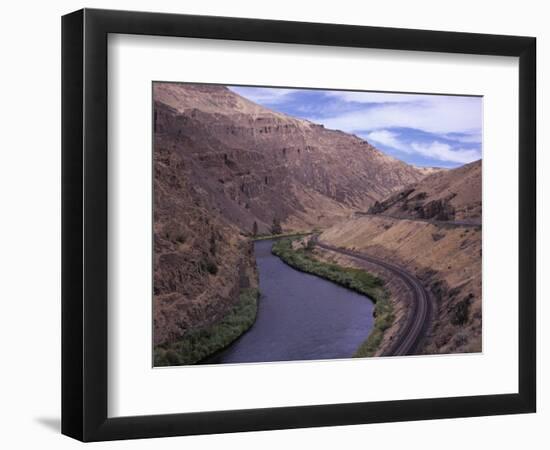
(265,237)
(303,259)
(447,261)
(200,344)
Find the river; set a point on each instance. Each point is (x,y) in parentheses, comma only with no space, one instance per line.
(300,317)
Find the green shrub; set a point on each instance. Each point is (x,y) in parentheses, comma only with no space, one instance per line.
(208,265)
(461,311)
(211,267)
(199,344)
(276,226)
(213,246)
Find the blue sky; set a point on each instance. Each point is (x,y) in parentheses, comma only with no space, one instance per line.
(425,130)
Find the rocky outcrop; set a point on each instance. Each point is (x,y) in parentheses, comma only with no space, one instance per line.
(453,195)
(436,209)
(384,205)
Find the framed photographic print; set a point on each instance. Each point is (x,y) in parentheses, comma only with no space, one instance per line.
(274,224)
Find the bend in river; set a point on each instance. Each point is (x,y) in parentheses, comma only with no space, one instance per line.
(300,317)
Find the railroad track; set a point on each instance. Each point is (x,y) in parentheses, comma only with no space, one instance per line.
(420,306)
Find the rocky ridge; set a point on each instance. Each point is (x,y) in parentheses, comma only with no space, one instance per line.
(254,164)
(453,195)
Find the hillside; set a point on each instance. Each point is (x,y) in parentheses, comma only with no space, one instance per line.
(445,255)
(452,195)
(253,164)
(201,262)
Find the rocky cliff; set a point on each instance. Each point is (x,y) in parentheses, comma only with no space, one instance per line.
(201,262)
(453,195)
(254,164)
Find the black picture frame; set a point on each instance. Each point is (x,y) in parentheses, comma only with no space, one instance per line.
(84,224)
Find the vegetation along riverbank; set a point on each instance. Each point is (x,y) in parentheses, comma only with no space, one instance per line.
(265,237)
(199,344)
(301,257)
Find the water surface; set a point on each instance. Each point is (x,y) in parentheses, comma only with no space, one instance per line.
(300,317)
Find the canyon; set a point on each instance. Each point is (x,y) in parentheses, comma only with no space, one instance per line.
(227,170)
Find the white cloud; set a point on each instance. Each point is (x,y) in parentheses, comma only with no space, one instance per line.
(263,95)
(434,150)
(470,138)
(388,138)
(366,111)
(456,118)
(430,113)
(444,152)
(381,97)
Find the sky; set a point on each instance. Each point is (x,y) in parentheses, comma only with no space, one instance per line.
(424,130)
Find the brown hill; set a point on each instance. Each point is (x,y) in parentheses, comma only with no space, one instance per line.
(200,261)
(429,170)
(447,259)
(254,164)
(453,195)
(427,228)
